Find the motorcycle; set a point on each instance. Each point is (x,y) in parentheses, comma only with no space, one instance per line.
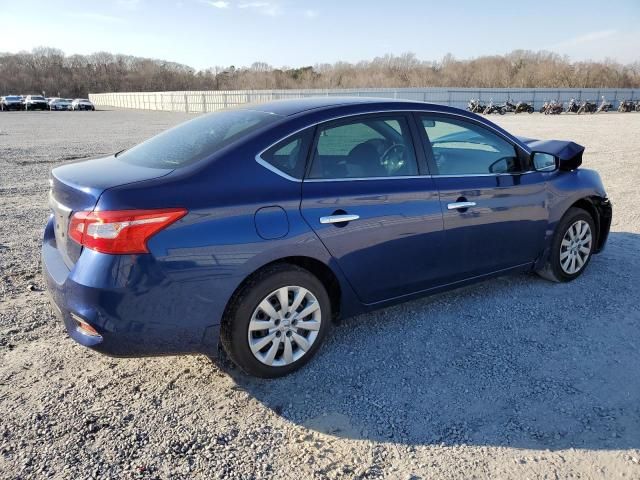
(554,108)
(522,107)
(604,106)
(626,106)
(573,106)
(493,108)
(509,107)
(544,106)
(587,107)
(475,106)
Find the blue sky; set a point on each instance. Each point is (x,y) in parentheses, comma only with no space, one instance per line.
(205,33)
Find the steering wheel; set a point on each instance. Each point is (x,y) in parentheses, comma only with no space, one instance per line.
(399,147)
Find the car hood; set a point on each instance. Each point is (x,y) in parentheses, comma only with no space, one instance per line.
(569,153)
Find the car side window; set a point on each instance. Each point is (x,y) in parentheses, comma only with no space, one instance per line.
(464,148)
(364,148)
(290,155)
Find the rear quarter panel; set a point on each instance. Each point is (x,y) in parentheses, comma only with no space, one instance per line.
(198,262)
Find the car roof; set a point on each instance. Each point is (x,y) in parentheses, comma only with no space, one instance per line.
(320,109)
(300,105)
(314,104)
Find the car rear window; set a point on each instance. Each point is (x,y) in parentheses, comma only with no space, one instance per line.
(196,139)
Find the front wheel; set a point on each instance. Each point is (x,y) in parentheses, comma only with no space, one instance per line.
(572,247)
(277,322)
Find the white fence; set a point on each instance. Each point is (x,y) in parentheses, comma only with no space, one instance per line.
(209,101)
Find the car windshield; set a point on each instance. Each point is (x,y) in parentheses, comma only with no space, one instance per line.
(196,139)
(37,97)
(12,97)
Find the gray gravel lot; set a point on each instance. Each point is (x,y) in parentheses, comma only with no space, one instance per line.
(512,378)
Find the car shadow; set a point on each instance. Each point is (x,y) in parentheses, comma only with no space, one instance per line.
(516,361)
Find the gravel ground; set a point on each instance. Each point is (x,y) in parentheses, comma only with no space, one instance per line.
(512,378)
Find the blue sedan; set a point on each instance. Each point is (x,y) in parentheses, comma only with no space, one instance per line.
(253,229)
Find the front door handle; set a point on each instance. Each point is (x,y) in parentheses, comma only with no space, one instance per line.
(338,219)
(457,205)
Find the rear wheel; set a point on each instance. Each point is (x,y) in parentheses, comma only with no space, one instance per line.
(277,322)
(572,247)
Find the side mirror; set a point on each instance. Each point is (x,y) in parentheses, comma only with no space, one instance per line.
(544,162)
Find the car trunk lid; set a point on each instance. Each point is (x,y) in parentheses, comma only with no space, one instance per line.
(76,187)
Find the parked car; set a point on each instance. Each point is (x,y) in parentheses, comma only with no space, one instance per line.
(60,104)
(11,102)
(82,104)
(35,102)
(259,226)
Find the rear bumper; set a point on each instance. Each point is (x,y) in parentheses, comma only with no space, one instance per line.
(134,308)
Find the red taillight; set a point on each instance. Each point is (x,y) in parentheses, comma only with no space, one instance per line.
(120,231)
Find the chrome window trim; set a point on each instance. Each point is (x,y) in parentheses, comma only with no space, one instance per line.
(275,170)
(347,179)
(484,174)
(282,174)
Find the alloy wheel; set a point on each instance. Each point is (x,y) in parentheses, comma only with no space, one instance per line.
(575,247)
(284,326)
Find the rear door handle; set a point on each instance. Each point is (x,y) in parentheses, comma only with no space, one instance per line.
(457,205)
(338,219)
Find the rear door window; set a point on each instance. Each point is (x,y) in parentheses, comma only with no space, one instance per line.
(290,155)
(364,148)
(196,139)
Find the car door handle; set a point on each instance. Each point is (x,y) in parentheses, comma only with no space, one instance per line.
(457,205)
(338,219)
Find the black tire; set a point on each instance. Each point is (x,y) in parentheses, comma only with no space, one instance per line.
(235,326)
(553,269)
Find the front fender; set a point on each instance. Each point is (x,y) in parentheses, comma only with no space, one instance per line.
(583,188)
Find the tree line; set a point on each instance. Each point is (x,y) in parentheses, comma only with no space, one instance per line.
(57,74)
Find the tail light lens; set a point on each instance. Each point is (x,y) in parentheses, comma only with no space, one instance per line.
(120,231)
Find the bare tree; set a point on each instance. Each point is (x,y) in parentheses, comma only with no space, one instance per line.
(49,70)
